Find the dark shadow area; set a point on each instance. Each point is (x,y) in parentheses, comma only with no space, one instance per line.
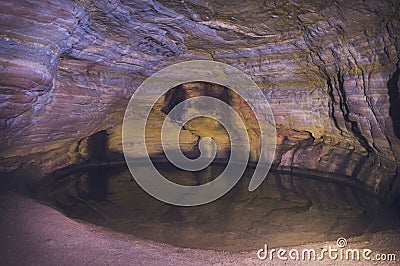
(97,184)
(97,147)
(188,90)
(394,100)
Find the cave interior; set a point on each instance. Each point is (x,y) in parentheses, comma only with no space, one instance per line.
(330,71)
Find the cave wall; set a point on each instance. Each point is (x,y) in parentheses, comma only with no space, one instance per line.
(329,69)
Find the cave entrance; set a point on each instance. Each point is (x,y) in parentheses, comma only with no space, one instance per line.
(97,147)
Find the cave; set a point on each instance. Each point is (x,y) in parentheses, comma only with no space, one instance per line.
(97,147)
(328,71)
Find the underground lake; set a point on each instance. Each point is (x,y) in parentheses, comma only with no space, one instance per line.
(287,210)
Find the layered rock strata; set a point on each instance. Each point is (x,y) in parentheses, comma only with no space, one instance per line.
(329,69)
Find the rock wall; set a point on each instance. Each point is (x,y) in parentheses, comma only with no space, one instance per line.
(330,70)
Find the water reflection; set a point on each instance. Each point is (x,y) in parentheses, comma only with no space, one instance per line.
(285,210)
(97,184)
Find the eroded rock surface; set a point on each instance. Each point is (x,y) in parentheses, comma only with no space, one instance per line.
(330,70)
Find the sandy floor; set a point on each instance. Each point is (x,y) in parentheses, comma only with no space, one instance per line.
(35,234)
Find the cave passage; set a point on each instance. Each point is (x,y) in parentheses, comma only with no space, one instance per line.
(97,147)
(286,210)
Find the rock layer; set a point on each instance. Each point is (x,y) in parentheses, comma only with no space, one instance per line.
(329,69)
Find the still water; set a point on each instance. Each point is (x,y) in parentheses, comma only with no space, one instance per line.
(285,210)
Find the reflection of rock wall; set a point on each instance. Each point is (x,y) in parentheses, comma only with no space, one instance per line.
(330,72)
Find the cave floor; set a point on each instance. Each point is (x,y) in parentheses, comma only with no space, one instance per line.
(35,234)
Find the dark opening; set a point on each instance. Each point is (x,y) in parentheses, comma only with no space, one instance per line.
(193,89)
(394,100)
(97,147)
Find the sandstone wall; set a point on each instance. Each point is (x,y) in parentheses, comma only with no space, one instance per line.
(329,69)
